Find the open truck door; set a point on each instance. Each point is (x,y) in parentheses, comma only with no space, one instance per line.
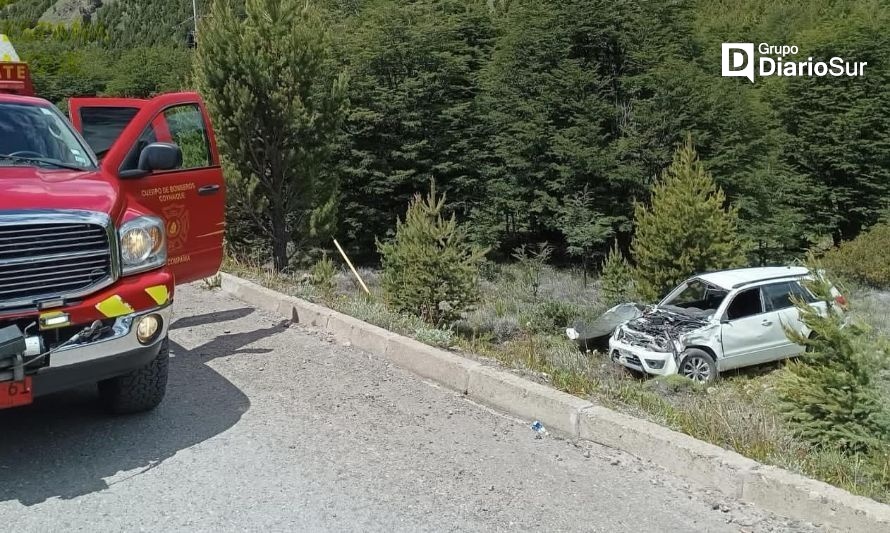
(191,197)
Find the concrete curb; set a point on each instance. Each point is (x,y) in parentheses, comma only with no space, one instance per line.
(768,487)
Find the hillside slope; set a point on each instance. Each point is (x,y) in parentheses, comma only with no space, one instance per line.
(68,11)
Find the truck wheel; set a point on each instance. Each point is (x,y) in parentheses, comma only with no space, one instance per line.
(698,365)
(140,390)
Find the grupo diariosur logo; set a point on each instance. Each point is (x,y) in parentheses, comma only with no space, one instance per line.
(738,60)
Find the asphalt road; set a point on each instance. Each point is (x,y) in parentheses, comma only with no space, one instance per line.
(271,427)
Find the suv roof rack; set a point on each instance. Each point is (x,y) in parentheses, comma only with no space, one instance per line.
(773,278)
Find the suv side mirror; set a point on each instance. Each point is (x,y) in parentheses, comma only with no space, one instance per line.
(155,156)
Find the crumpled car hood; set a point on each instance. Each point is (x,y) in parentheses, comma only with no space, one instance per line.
(657,321)
(595,335)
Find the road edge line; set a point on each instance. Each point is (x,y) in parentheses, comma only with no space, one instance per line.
(768,487)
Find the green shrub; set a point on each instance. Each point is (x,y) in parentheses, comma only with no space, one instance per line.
(486,323)
(673,384)
(490,271)
(442,338)
(430,268)
(550,317)
(323,273)
(686,229)
(617,280)
(865,259)
(829,397)
(531,266)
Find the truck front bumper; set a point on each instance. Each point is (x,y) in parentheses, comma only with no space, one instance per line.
(115,354)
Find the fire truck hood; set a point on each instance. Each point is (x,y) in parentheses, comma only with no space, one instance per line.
(38,188)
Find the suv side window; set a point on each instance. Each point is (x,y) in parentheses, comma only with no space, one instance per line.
(746,303)
(777,296)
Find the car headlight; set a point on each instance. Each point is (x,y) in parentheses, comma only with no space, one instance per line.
(143,246)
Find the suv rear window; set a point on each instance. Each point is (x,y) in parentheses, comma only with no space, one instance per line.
(778,295)
(797,289)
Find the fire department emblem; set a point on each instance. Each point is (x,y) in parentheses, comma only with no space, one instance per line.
(177,217)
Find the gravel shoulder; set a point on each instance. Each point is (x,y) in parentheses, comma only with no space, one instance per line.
(271,426)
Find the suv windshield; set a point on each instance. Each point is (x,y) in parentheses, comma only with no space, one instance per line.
(695,297)
(32,135)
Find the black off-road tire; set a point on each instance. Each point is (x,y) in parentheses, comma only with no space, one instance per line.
(695,363)
(140,390)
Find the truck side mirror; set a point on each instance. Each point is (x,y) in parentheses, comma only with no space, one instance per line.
(155,156)
(160,156)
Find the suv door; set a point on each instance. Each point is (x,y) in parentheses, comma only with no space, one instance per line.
(777,297)
(749,334)
(191,198)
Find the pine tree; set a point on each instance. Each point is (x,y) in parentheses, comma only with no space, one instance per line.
(414,68)
(686,229)
(583,227)
(837,125)
(550,106)
(829,396)
(617,280)
(277,109)
(429,268)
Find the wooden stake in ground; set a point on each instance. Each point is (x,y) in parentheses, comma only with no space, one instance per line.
(354,272)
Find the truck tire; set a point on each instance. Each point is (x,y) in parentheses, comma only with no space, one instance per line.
(140,390)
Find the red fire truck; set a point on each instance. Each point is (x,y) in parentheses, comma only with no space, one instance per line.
(100,217)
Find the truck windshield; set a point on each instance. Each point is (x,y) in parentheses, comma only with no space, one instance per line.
(32,135)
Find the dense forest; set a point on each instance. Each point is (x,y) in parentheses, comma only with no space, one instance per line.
(536,117)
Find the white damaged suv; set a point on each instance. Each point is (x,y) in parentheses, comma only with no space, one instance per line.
(716,322)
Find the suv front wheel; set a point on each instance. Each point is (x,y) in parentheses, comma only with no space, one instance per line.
(698,365)
(140,390)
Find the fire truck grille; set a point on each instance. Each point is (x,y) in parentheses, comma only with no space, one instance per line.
(51,260)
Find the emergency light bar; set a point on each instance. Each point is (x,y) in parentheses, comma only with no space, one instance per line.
(15,77)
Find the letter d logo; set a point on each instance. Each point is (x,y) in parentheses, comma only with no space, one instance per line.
(738,60)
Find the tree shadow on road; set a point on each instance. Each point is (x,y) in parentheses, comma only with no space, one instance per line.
(65,446)
(211,318)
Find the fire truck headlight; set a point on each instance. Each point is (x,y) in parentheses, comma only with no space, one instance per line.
(143,246)
(148,328)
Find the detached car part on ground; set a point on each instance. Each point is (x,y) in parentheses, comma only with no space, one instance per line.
(100,218)
(709,324)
